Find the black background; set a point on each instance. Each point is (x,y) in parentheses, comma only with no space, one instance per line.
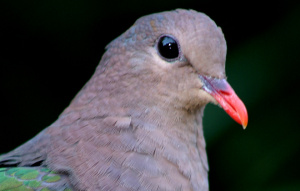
(49,49)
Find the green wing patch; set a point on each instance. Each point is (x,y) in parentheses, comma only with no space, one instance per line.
(30,179)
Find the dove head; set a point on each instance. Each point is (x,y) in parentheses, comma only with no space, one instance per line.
(173,59)
(201,43)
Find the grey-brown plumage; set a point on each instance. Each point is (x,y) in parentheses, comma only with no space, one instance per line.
(137,123)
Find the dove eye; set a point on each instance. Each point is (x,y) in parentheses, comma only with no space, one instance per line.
(168,47)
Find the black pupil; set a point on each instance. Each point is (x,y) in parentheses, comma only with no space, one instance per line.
(168,47)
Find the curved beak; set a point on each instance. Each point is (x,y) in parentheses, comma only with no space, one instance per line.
(227,98)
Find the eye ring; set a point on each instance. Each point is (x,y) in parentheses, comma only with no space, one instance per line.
(168,48)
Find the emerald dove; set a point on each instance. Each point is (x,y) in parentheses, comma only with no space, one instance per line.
(137,123)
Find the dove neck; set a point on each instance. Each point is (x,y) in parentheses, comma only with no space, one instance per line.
(119,119)
(151,109)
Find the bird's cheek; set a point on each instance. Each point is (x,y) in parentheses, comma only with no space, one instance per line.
(205,97)
(193,98)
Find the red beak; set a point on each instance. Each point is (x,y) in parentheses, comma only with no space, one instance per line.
(227,98)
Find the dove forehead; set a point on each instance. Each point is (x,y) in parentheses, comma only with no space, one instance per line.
(181,20)
(202,41)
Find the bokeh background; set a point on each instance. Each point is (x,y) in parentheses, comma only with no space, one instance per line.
(49,49)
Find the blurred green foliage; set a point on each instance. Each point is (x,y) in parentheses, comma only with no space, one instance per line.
(51,48)
(264,70)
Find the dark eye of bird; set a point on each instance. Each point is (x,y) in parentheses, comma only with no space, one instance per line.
(168,47)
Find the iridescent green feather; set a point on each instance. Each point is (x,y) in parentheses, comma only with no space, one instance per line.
(31,178)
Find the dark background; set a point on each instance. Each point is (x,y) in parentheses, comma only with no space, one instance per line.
(49,49)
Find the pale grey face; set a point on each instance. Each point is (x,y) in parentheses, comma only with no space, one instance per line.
(175,59)
(200,41)
(196,47)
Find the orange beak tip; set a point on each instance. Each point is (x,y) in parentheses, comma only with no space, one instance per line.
(245,120)
(244,126)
